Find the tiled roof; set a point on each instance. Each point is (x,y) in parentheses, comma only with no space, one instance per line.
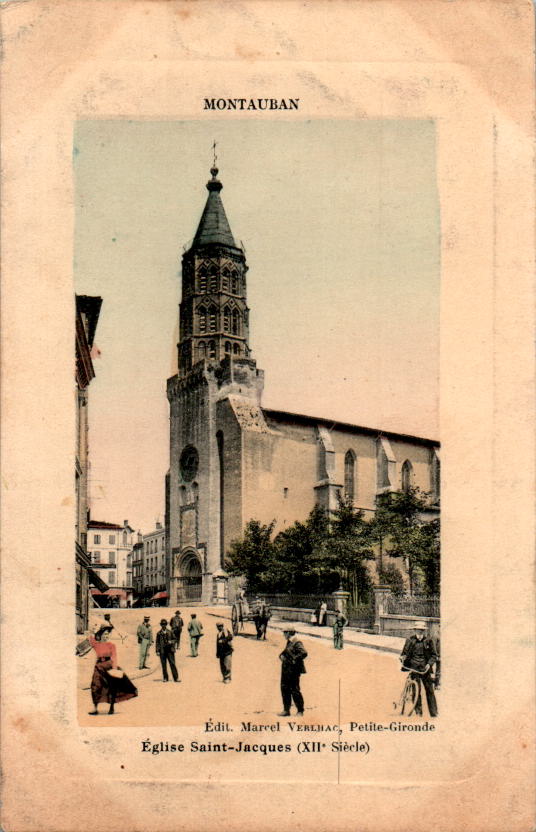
(98,524)
(214,225)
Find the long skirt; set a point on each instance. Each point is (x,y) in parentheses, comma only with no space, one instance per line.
(106,688)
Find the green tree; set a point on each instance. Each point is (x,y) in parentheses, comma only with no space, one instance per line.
(402,530)
(391,576)
(346,548)
(252,555)
(297,550)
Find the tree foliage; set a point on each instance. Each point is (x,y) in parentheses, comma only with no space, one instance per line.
(329,550)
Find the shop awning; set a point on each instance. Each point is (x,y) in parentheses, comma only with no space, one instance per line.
(159,595)
(115,593)
(97,581)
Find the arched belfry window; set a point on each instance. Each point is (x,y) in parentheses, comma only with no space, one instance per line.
(236,349)
(226,319)
(213,319)
(203,272)
(213,280)
(349,475)
(407,475)
(202,317)
(212,349)
(236,322)
(225,274)
(234,283)
(202,348)
(227,346)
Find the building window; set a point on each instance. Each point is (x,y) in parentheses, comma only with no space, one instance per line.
(111,539)
(349,475)
(226,319)
(202,349)
(227,346)
(203,271)
(212,349)
(225,279)
(96,538)
(202,313)
(236,322)
(95,557)
(385,464)
(234,283)
(124,538)
(111,557)
(435,477)
(407,475)
(213,319)
(213,280)
(111,577)
(236,349)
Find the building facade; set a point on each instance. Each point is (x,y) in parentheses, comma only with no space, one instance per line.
(87,316)
(155,588)
(230,459)
(110,549)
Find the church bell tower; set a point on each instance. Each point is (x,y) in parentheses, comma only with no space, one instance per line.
(214,363)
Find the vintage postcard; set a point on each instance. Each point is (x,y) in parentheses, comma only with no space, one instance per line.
(268,451)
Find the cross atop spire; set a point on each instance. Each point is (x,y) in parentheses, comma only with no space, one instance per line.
(214,150)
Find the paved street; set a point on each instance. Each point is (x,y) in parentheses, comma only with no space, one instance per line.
(369,680)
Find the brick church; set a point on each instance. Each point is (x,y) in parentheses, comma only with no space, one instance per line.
(232,460)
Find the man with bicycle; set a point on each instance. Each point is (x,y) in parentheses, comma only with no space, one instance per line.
(419,654)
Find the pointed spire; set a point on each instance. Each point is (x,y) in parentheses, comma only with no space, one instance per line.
(213,225)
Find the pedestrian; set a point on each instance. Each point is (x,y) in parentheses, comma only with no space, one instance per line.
(224,651)
(266,614)
(322,614)
(109,682)
(195,629)
(257,616)
(339,624)
(419,653)
(176,625)
(292,666)
(165,648)
(315,617)
(145,639)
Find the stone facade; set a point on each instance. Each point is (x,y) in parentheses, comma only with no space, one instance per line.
(230,459)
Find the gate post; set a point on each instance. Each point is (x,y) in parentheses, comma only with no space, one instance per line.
(381,594)
(220,589)
(340,600)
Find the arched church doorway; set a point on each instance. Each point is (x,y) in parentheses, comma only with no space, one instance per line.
(190,582)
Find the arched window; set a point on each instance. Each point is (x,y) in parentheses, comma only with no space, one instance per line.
(212,319)
(226,319)
(227,346)
(212,349)
(213,280)
(234,283)
(203,279)
(236,322)
(202,349)
(236,349)
(349,475)
(435,476)
(407,475)
(202,312)
(124,538)
(225,279)
(182,495)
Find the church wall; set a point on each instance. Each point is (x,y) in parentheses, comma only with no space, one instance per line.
(227,423)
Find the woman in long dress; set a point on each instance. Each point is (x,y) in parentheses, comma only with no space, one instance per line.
(109,683)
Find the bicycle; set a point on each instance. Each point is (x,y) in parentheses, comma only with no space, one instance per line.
(411,691)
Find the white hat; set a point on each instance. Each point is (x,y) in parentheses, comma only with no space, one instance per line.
(420,625)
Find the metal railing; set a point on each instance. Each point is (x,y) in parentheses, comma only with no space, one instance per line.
(287,599)
(427,607)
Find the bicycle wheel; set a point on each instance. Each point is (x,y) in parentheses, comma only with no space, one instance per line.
(410,696)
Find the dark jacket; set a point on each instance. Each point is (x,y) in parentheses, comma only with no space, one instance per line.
(223,643)
(176,623)
(165,643)
(408,653)
(292,658)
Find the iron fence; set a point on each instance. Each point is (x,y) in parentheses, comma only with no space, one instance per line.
(287,599)
(414,605)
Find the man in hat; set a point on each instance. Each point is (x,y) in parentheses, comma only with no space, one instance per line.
(339,624)
(176,625)
(224,651)
(145,639)
(195,630)
(165,648)
(292,667)
(419,654)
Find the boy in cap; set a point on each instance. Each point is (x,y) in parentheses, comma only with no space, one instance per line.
(224,651)
(165,648)
(419,653)
(292,667)
(145,639)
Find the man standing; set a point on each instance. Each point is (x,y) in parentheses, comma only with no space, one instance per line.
(419,653)
(165,648)
(224,651)
(292,667)
(338,626)
(195,629)
(145,639)
(176,625)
